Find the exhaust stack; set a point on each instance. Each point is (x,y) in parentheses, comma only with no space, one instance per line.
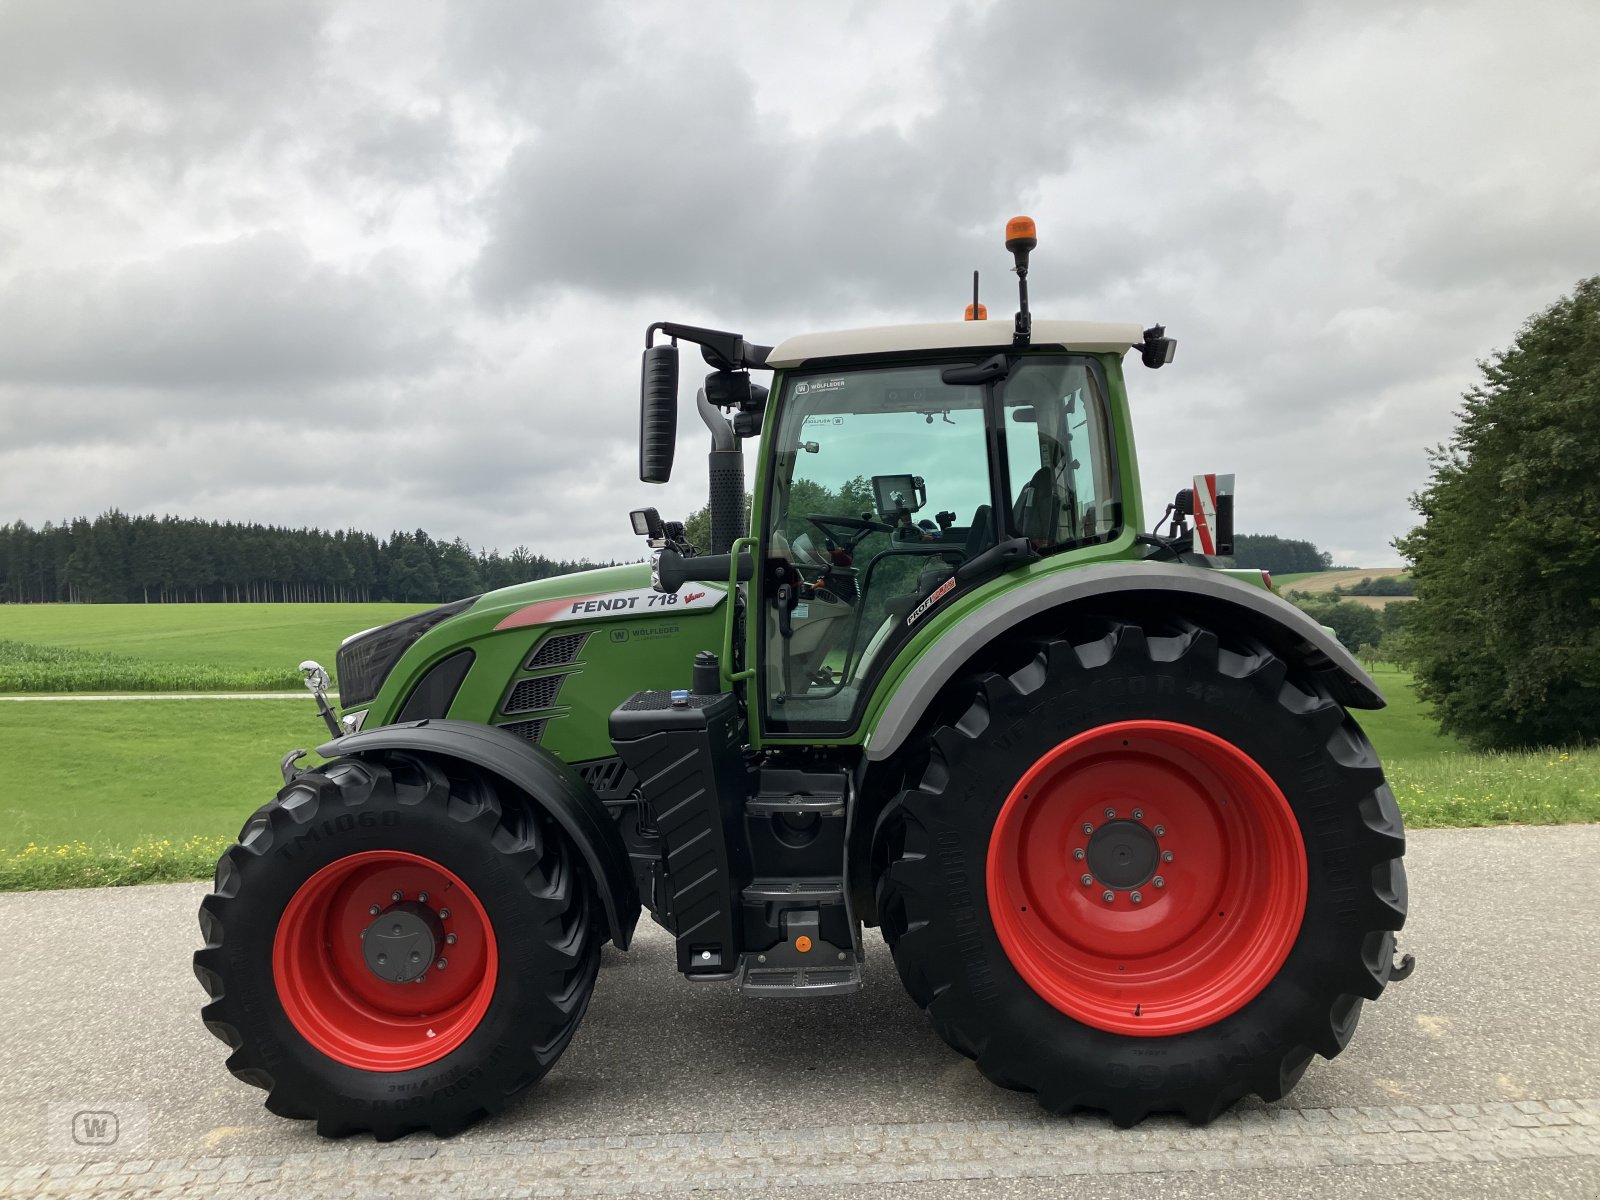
(725,468)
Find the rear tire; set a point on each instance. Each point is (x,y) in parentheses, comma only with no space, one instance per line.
(391,1049)
(1273,807)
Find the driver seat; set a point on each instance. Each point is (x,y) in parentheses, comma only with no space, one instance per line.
(978,540)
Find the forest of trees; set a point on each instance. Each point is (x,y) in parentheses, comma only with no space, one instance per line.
(116,558)
(1281,556)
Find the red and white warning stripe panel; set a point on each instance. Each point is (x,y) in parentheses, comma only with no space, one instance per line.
(605,605)
(1206,490)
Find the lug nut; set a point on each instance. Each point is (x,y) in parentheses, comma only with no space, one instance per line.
(1159,882)
(442,963)
(1137,898)
(1111,814)
(1078,854)
(1138,814)
(1166,856)
(1161,831)
(450,938)
(374,910)
(1086,879)
(395,896)
(422,897)
(444,914)
(1108,895)
(1088,828)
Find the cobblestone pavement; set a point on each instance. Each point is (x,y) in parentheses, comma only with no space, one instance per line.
(859,1155)
(1480,1076)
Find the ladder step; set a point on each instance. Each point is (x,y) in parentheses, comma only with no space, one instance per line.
(798,982)
(765,804)
(814,891)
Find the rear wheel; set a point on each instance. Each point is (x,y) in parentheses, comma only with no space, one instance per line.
(390,947)
(1144,872)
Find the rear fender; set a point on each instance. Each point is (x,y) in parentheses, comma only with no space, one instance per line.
(1131,586)
(547,781)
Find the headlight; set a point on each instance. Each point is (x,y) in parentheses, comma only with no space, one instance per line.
(366,659)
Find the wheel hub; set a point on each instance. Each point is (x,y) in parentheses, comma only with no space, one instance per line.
(1123,854)
(400,944)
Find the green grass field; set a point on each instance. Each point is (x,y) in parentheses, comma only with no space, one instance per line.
(234,637)
(25,667)
(137,790)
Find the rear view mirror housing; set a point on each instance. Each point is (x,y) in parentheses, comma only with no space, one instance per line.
(658,412)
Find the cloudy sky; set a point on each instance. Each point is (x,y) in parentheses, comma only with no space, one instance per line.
(386,265)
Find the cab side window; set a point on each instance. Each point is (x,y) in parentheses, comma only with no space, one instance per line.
(1058,456)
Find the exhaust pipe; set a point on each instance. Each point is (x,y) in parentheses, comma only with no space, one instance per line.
(726,471)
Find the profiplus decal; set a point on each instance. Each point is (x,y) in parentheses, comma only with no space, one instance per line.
(939,593)
(611,604)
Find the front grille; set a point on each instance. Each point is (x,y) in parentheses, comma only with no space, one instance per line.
(531,695)
(528,731)
(558,649)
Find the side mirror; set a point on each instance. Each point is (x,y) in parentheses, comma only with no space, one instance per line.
(658,412)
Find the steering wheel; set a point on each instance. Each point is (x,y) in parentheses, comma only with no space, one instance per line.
(860,525)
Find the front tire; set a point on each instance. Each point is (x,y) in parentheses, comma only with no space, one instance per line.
(391,946)
(1242,859)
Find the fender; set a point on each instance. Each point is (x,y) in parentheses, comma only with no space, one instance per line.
(552,784)
(1290,632)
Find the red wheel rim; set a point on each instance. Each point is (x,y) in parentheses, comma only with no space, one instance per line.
(340,1005)
(1157,958)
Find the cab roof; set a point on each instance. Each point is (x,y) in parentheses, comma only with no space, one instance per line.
(1092,337)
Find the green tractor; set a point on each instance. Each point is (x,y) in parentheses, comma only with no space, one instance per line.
(1104,800)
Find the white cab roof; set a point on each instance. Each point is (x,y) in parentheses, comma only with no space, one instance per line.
(1089,336)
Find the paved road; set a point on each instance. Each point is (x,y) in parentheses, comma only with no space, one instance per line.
(1480,1076)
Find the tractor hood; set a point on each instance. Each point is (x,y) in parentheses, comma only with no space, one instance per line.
(608,593)
(546,660)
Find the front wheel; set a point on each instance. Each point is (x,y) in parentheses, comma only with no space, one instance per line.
(390,947)
(1145,871)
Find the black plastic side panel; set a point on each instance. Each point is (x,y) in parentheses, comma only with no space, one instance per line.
(436,691)
(552,784)
(690,765)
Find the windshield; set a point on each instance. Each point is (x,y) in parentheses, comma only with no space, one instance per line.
(885,481)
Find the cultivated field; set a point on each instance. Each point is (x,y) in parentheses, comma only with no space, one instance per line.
(182,647)
(124,791)
(1326,581)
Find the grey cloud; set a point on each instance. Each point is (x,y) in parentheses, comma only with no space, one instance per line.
(689,192)
(142,61)
(1501,236)
(253,310)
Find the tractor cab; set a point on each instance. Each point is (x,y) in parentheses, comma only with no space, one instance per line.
(895,486)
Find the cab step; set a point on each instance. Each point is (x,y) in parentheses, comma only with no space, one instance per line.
(804,964)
